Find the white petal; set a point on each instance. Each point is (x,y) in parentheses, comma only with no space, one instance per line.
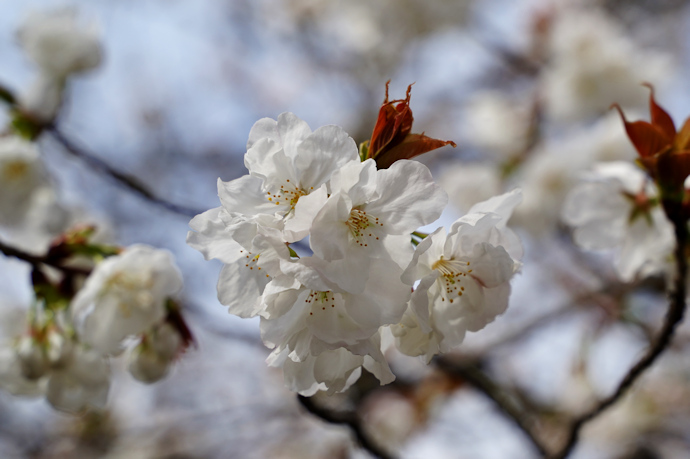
(409,197)
(322,153)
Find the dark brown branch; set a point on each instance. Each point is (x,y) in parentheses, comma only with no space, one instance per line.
(348,418)
(124,180)
(674,316)
(37,262)
(96,163)
(470,373)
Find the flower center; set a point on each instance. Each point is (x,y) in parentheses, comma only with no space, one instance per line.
(321,300)
(362,227)
(250,261)
(15,170)
(287,195)
(453,273)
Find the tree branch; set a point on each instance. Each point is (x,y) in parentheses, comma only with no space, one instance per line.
(674,316)
(126,181)
(348,418)
(37,262)
(480,381)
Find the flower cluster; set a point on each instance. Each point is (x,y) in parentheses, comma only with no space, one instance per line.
(64,353)
(323,314)
(101,300)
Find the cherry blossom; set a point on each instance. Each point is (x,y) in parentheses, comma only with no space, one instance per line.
(288,167)
(464,278)
(58,44)
(617,206)
(125,295)
(368,208)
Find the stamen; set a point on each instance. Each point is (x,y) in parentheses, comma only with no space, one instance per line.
(452,274)
(358,223)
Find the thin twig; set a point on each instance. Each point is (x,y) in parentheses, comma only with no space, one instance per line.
(125,180)
(673,317)
(97,163)
(348,418)
(37,261)
(473,375)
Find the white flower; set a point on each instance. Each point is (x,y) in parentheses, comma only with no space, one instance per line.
(331,371)
(125,295)
(58,44)
(150,361)
(83,381)
(288,164)
(555,167)
(617,207)
(21,174)
(319,316)
(251,251)
(12,375)
(367,209)
(464,278)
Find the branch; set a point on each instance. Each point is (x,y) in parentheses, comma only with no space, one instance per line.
(125,180)
(37,262)
(348,418)
(674,316)
(474,376)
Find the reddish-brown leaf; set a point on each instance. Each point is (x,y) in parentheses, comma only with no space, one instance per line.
(647,138)
(413,145)
(393,124)
(683,137)
(660,118)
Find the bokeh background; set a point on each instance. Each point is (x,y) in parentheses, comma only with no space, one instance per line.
(523,87)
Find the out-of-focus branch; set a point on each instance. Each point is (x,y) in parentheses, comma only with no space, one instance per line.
(37,261)
(128,182)
(674,316)
(470,373)
(348,418)
(95,162)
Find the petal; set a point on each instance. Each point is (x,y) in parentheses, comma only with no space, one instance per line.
(409,198)
(330,235)
(265,128)
(240,288)
(211,237)
(307,207)
(293,131)
(425,255)
(357,180)
(385,297)
(322,153)
(244,196)
(490,266)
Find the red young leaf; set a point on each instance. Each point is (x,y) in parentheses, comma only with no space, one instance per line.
(647,138)
(413,145)
(660,118)
(683,137)
(393,124)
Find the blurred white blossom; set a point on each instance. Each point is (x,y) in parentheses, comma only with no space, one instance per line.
(593,63)
(125,295)
(150,360)
(21,174)
(617,206)
(497,124)
(58,44)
